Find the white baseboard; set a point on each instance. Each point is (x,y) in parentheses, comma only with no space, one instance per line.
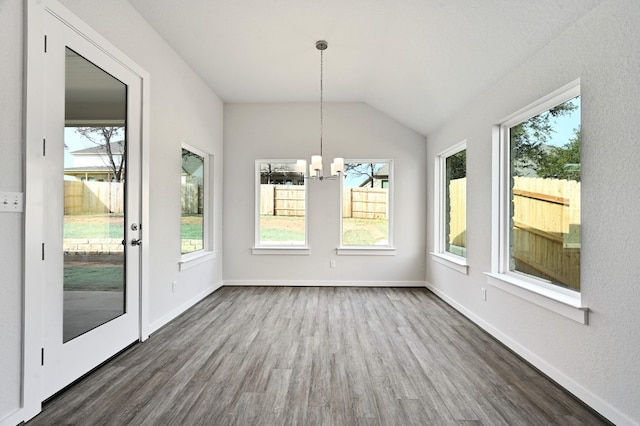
(164,320)
(16,417)
(322,283)
(590,399)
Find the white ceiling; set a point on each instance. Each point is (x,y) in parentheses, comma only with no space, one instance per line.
(418,61)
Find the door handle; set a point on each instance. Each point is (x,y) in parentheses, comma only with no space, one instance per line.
(136,242)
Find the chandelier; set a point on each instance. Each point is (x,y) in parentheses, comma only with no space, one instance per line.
(315,168)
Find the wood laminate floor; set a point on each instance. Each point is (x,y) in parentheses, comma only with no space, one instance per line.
(317,356)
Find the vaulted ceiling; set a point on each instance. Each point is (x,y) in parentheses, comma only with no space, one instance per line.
(417,61)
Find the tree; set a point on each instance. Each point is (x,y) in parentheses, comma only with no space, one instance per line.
(103,137)
(367,170)
(270,171)
(457,168)
(529,138)
(562,162)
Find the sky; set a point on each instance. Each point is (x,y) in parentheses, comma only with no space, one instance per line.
(74,142)
(565,126)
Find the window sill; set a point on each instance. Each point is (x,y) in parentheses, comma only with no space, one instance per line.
(280,250)
(454,262)
(563,304)
(366,251)
(196,258)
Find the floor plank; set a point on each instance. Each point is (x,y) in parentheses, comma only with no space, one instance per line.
(317,356)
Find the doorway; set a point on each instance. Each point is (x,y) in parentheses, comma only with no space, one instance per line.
(84,203)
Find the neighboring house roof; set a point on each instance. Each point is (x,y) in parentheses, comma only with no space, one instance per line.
(283,175)
(88,169)
(117,147)
(381,173)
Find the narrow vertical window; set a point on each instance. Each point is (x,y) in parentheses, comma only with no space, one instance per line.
(455,241)
(366,204)
(281,205)
(193,199)
(450,226)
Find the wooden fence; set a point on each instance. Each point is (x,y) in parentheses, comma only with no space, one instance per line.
(458,213)
(546,227)
(192,198)
(82,197)
(365,203)
(288,200)
(88,197)
(281,200)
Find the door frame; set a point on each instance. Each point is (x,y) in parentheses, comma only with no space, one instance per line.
(34,133)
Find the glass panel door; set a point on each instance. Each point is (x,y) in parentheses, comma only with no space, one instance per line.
(91,172)
(95,149)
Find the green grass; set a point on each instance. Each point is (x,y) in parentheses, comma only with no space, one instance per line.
(364,232)
(356,231)
(93,278)
(191,232)
(358,237)
(270,234)
(281,228)
(273,228)
(192,226)
(110,226)
(93,230)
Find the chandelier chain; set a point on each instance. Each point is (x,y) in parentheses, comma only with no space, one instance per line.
(321,97)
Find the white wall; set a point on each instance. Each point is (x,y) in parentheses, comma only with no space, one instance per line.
(182,109)
(351,130)
(598,362)
(11,245)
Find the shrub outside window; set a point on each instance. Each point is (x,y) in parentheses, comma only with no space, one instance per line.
(366,204)
(281,205)
(543,189)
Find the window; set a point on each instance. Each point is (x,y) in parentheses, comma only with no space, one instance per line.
(281,207)
(366,205)
(194,200)
(450,229)
(539,190)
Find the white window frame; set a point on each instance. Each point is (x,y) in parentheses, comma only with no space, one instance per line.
(557,299)
(371,250)
(279,249)
(440,254)
(189,260)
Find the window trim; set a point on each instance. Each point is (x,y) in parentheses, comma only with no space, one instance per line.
(278,249)
(371,250)
(557,299)
(191,259)
(439,254)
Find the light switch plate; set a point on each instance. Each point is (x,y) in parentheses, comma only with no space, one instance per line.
(11,202)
